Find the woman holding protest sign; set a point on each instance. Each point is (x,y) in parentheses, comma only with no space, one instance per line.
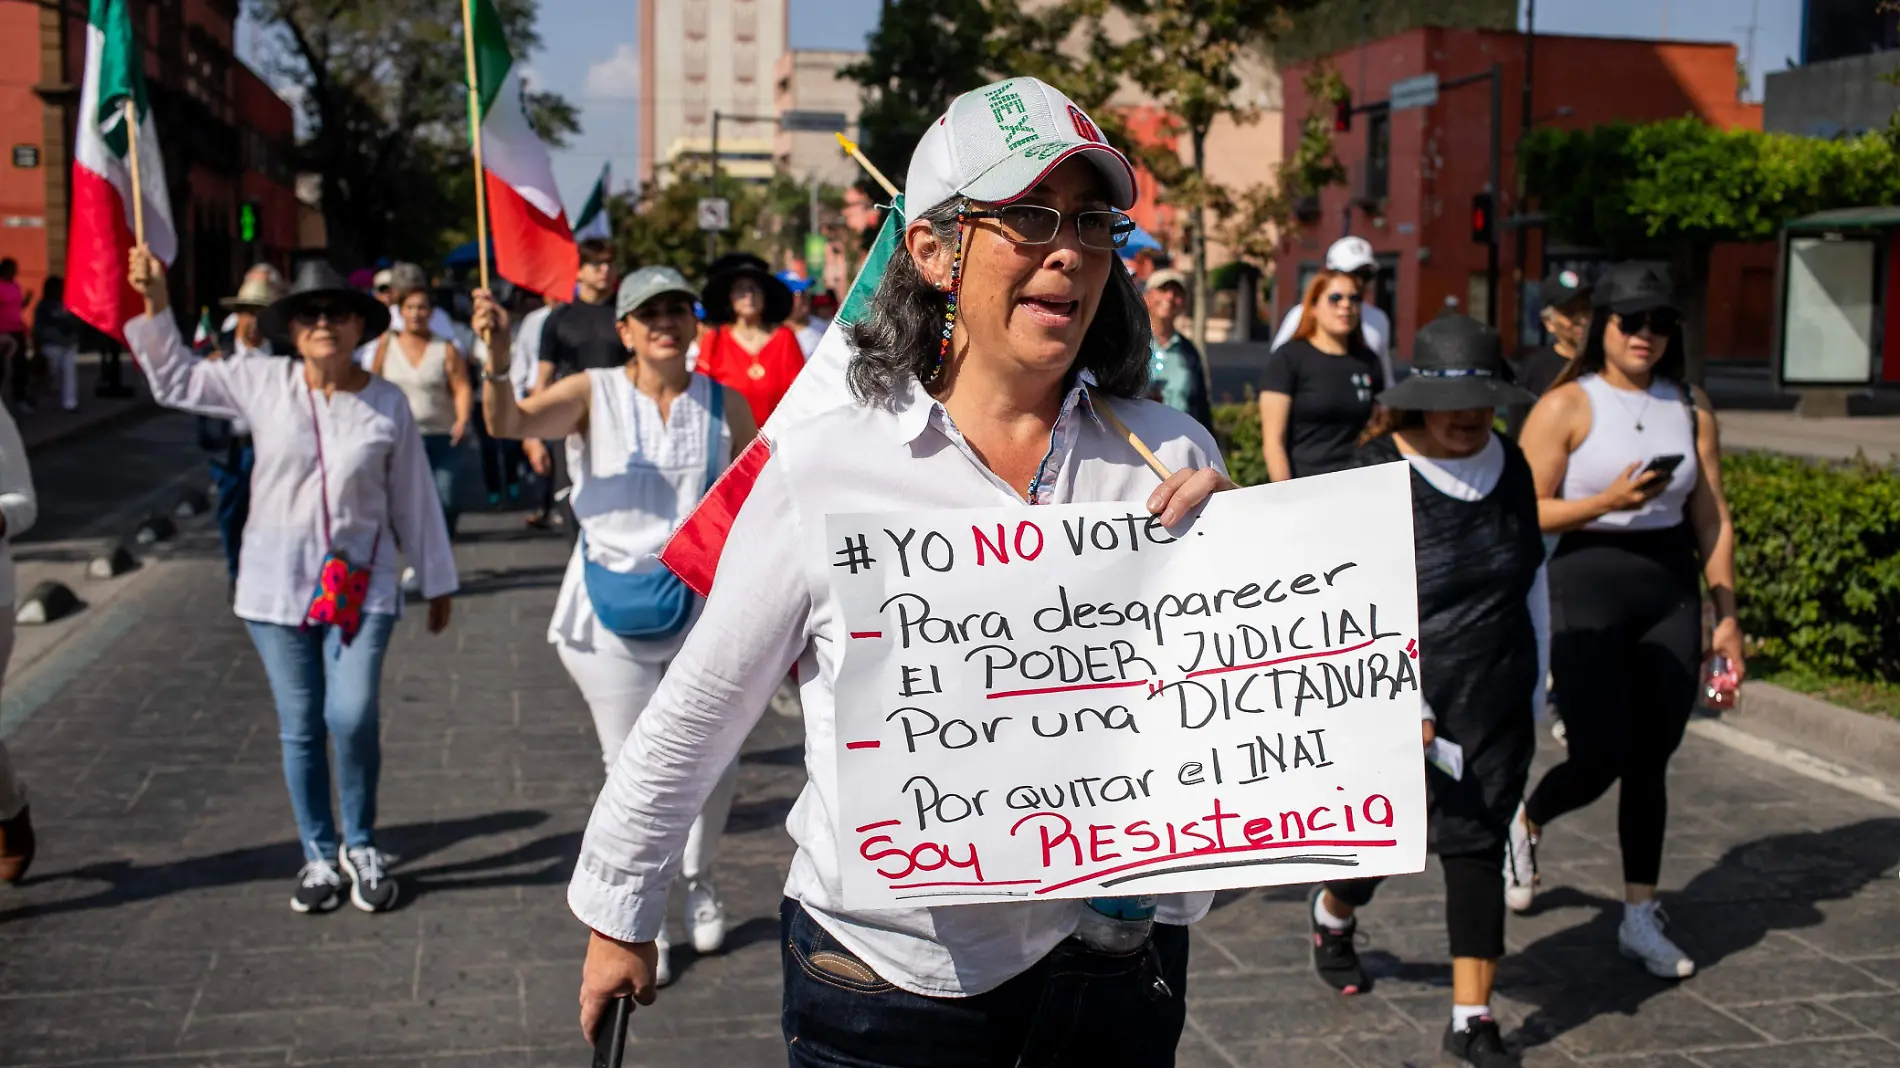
(645,441)
(1480,599)
(1629,471)
(1002,343)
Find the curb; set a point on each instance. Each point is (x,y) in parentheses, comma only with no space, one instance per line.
(1857,740)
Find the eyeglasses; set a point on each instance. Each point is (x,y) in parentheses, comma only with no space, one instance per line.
(1659,321)
(1033,224)
(382,289)
(310,314)
(1355,299)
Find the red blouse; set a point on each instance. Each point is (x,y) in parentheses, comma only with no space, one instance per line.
(762,377)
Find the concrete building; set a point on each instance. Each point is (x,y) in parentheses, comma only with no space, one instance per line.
(1838,91)
(227,140)
(702,56)
(1413,174)
(809,81)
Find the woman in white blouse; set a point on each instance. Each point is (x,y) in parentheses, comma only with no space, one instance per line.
(972,378)
(340,472)
(19,507)
(644,443)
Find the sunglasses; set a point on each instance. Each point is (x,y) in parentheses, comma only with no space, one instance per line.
(1355,299)
(1659,321)
(309,314)
(1033,224)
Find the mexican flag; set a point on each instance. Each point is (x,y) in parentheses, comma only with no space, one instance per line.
(100,233)
(693,551)
(592,221)
(534,248)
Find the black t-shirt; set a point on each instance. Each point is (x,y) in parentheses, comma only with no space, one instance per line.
(1535,372)
(1332,400)
(581,337)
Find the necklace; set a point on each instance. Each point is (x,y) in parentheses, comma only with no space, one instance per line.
(1637,415)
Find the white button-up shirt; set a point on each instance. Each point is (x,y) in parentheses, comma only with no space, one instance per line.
(382,499)
(771,606)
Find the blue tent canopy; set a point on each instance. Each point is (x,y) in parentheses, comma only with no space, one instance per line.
(463,255)
(1139,240)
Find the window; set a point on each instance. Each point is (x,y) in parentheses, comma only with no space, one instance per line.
(1378,173)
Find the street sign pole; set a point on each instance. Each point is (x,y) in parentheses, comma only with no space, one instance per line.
(712,190)
(1497,172)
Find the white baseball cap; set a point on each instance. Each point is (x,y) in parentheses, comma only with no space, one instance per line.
(995,143)
(1350,254)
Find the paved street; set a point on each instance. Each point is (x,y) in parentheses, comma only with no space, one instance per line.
(155,929)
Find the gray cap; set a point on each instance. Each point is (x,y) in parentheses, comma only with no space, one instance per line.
(645,284)
(407,278)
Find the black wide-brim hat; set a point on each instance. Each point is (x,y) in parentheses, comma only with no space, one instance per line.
(716,298)
(317,280)
(1457,365)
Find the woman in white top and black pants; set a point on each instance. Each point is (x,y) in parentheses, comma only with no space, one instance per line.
(1003,335)
(1628,467)
(644,442)
(431,372)
(340,481)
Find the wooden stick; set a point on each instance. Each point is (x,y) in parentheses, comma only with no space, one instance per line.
(132,156)
(475,132)
(851,148)
(1103,409)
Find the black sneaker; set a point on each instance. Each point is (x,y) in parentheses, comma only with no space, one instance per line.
(319,888)
(1335,959)
(1480,1044)
(372,889)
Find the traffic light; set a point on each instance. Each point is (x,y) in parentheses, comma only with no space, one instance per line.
(247,222)
(1342,115)
(1481,223)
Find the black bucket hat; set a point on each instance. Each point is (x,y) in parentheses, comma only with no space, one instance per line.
(1635,287)
(727,269)
(318,281)
(1457,364)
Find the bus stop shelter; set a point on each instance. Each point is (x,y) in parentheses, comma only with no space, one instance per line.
(1838,312)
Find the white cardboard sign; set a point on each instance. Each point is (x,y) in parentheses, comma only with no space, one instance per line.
(1074,701)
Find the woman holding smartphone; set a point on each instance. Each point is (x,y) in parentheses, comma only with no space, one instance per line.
(1628,467)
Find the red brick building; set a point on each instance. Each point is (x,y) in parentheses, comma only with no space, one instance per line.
(1414,172)
(227,139)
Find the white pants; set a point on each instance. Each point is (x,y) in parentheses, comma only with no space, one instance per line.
(12,790)
(62,364)
(617,684)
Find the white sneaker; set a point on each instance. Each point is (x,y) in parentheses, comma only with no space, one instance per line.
(663,971)
(410,582)
(1520,864)
(1641,937)
(705,916)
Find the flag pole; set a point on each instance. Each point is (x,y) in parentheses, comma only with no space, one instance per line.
(851,149)
(475,132)
(132,156)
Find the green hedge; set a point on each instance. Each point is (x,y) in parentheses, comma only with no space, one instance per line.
(1817,555)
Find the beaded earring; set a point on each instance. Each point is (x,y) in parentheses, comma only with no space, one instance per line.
(949,304)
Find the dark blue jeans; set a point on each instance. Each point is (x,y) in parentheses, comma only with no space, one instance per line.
(1076,1007)
(231,474)
(445,466)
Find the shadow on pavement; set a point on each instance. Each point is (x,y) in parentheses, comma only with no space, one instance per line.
(487,583)
(755,930)
(1770,884)
(128,883)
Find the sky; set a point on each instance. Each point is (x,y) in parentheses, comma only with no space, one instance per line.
(589,53)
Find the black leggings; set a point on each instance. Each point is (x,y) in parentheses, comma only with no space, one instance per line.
(1474,901)
(1626,641)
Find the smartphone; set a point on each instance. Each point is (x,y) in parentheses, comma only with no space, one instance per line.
(610,1042)
(1662,465)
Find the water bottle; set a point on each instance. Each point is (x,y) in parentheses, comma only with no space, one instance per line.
(1719,684)
(1116,924)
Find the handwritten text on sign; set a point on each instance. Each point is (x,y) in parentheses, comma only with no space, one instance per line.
(1073,700)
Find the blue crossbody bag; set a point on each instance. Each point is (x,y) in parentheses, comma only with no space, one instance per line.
(650,605)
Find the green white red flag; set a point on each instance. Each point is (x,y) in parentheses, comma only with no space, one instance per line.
(534,247)
(592,222)
(100,233)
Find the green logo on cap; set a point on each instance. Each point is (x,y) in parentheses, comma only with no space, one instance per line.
(1012,118)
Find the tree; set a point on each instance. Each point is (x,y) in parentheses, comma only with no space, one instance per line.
(1260,220)
(1182,54)
(383,93)
(922,54)
(1673,189)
